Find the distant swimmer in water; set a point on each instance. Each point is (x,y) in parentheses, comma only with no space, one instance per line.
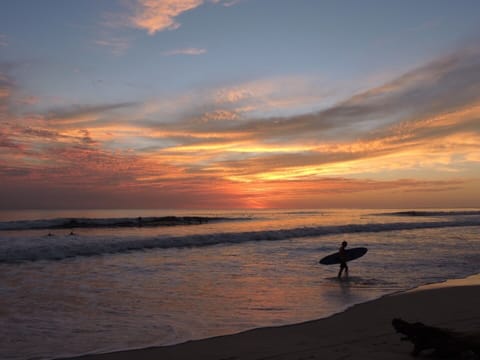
(72,233)
(343,260)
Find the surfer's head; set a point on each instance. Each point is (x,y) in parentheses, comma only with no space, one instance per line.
(344,244)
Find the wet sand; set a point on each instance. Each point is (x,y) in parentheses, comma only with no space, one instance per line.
(361,332)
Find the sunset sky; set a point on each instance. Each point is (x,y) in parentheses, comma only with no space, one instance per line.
(239,104)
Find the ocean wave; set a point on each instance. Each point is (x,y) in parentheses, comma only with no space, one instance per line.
(433,213)
(59,248)
(71,223)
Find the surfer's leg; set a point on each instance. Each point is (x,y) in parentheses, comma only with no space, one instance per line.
(342,267)
(346,270)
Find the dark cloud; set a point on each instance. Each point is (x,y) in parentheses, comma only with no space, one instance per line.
(40,133)
(86,139)
(7,143)
(13,172)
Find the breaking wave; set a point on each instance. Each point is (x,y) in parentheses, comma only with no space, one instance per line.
(434,213)
(62,247)
(71,223)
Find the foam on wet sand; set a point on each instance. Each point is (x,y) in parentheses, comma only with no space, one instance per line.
(361,332)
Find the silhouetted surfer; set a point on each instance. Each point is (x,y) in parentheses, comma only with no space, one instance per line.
(343,260)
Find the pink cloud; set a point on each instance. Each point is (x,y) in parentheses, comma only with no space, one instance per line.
(159,15)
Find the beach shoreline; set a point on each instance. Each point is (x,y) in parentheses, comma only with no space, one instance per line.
(361,331)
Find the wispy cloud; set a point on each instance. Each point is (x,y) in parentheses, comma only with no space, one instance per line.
(229,3)
(150,15)
(117,45)
(419,120)
(241,102)
(414,135)
(226,3)
(158,15)
(185,51)
(76,114)
(439,87)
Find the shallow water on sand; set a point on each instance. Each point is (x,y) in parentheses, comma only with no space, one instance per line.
(262,270)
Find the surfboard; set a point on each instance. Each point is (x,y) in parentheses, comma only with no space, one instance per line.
(350,254)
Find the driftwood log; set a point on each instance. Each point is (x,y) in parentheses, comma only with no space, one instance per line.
(441,343)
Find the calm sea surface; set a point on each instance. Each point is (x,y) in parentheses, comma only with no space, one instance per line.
(76,282)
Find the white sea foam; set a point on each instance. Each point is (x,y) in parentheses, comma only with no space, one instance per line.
(61,247)
(433,213)
(73,223)
(188,289)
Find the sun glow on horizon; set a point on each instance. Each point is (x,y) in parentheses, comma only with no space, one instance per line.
(166,112)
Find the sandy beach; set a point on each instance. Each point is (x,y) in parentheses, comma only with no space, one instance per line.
(361,332)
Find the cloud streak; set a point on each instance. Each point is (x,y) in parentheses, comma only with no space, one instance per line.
(438,87)
(420,120)
(117,45)
(78,114)
(415,135)
(185,51)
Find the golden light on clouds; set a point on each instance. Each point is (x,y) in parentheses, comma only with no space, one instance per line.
(220,147)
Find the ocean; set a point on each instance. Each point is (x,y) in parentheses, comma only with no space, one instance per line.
(79,282)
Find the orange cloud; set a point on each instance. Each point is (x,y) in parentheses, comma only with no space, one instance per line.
(205,148)
(159,15)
